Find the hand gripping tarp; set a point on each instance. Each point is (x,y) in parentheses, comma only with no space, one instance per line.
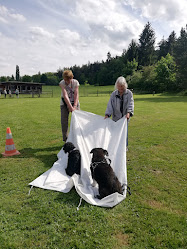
(88,131)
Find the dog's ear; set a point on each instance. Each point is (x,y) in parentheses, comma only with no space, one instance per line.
(105,152)
(92,151)
(64,147)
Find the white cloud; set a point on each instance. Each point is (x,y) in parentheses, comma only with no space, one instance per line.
(61,33)
(39,32)
(101,14)
(3,20)
(9,15)
(166,9)
(68,36)
(170,14)
(108,22)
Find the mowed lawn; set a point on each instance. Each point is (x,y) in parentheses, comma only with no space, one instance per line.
(154,216)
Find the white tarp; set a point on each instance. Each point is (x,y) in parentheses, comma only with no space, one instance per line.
(88,131)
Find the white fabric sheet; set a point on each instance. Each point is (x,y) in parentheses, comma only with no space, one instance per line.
(88,131)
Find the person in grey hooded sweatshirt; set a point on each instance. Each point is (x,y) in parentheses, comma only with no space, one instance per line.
(121,103)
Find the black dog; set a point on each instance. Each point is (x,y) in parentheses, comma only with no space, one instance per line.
(74,159)
(103,174)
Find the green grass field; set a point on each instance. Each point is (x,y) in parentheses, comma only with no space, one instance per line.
(154,216)
(84,91)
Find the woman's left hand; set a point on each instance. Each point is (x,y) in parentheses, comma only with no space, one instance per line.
(128,115)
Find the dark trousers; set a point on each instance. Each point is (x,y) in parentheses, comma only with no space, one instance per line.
(64,121)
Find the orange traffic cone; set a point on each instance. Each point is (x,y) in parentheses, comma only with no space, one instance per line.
(10,149)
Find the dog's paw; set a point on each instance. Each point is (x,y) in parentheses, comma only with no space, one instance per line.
(98,197)
(123,187)
(94,183)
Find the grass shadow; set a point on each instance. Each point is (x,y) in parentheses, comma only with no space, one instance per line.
(72,198)
(163,98)
(45,155)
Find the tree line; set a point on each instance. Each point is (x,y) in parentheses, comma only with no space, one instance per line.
(146,67)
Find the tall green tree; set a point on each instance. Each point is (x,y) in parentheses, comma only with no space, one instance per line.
(180,53)
(26,78)
(44,79)
(3,78)
(36,77)
(171,42)
(12,78)
(166,73)
(109,57)
(59,73)
(132,51)
(149,79)
(130,67)
(163,48)
(52,80)
(167,46)
(17,73)
(146,46)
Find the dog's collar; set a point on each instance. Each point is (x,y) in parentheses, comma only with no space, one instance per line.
(71,150)
(95,164)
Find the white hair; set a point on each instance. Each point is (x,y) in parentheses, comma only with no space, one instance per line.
(121,81)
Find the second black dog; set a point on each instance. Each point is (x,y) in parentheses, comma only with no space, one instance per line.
(103,174)
(74,159)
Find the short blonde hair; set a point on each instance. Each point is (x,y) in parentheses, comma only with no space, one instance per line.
(121,81)
(68,75)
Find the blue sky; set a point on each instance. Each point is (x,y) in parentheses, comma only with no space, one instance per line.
(45,35)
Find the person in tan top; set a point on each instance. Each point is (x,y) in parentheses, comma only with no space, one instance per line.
(69,99)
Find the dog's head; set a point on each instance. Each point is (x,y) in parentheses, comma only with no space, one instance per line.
(68,147)
(99,153)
